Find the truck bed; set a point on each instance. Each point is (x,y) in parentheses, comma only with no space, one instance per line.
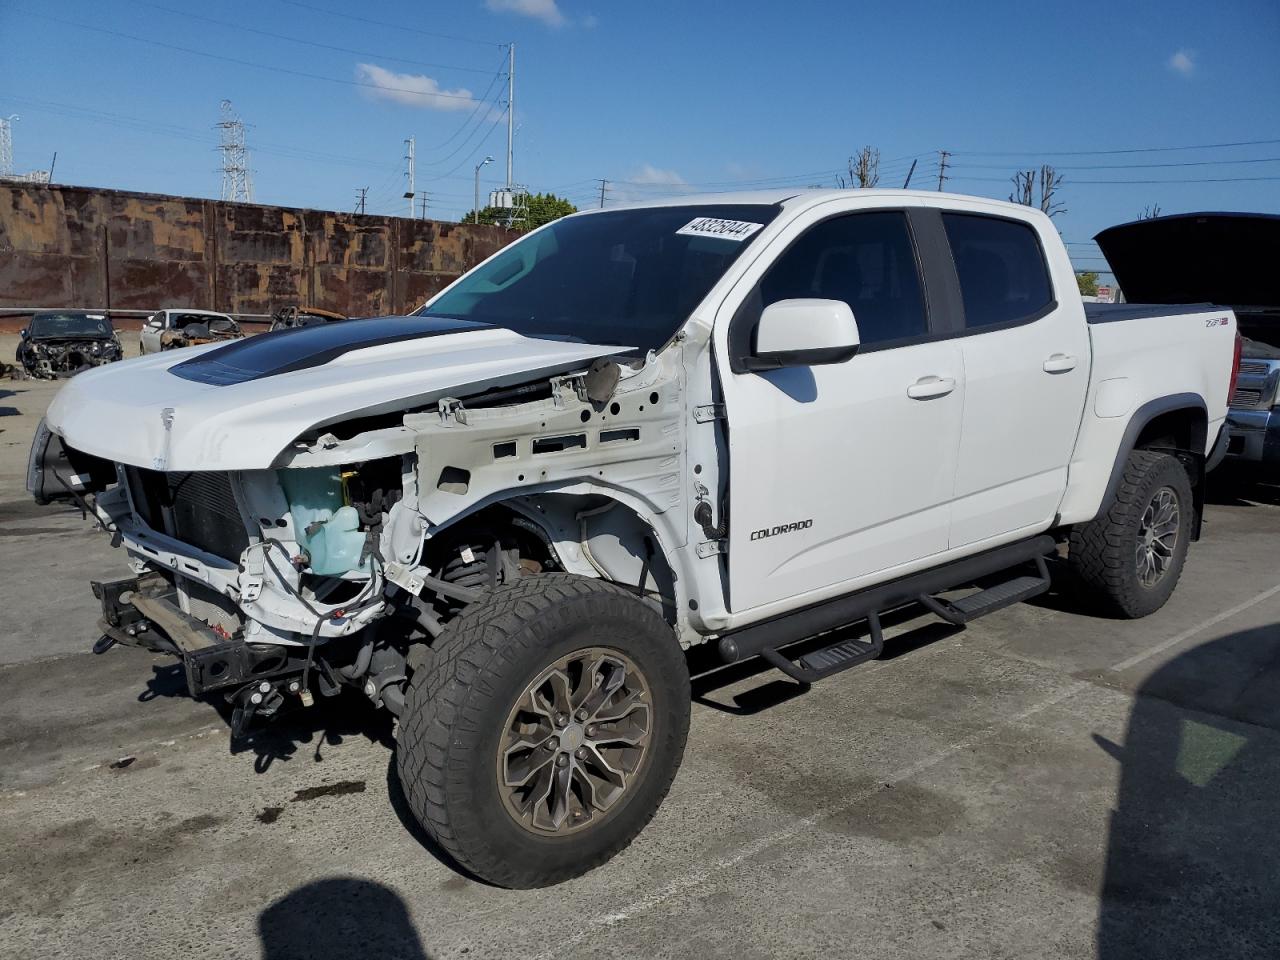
(1115,312)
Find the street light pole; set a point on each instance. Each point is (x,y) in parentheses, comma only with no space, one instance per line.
(475,211)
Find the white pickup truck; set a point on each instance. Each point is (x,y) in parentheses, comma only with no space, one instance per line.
(749,419)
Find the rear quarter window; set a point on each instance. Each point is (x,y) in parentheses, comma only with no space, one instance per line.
(1004,279)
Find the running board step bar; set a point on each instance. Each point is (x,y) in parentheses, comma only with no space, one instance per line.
(841,655)
(765,639)
(966,609)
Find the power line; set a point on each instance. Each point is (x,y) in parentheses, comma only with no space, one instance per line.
(249,63)
(307,43)
(186,133)
(1074,182)
(481,102)
(1134,166)
(399,27)
(1099,153)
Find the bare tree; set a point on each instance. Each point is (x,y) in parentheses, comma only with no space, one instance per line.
(1150,213)
(1024,187)
(864,169)
(1038,190)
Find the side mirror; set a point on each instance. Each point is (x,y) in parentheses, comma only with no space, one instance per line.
(804,333)
(24,333)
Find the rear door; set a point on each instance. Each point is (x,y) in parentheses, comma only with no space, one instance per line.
(1026,361)
(842,471)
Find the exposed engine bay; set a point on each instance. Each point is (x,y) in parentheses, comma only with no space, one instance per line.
(215,330)
(370,534)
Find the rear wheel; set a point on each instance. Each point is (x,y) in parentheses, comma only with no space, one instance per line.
(1129,559)
(545,729)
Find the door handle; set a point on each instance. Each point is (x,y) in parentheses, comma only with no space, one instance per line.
(926,388)
(1059,363)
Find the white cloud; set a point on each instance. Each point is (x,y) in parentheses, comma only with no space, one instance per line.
(648,183)
(650,174)
(411,89)
(545,10)
(1183,62)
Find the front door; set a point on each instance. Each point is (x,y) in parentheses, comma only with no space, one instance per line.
(843,471)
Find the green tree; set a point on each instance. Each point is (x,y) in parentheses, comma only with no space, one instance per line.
(538,208)
(1087,280)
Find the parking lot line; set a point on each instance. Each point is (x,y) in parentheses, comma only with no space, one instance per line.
(1192,631)
(699,877)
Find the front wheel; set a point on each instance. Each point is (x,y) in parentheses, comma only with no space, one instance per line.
(1129,559)
(544,729)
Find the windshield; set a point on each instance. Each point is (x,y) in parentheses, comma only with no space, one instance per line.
(69,325)
(626,277)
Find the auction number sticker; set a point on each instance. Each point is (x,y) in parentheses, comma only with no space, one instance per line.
(724,229)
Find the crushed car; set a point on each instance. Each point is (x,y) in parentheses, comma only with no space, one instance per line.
(746,420)
(61,343)
(175,329)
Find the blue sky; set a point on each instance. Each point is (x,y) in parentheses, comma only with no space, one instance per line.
(655,97)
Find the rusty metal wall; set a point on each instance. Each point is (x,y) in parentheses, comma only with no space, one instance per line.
(84,247)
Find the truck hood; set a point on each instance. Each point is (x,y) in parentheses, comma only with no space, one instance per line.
(1221,258)
(238,406)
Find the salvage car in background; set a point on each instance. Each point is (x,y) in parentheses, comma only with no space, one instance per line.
(286,318)
(1226,259)
(61,343)
(173,329)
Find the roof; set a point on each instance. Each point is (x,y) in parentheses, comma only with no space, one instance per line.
(203,313)
(796,198)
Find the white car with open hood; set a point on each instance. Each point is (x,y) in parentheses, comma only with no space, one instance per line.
(747,419)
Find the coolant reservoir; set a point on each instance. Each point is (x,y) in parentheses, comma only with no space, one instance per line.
(324,527)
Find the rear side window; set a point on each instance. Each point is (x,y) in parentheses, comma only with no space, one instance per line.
(865,259)
(1003,276)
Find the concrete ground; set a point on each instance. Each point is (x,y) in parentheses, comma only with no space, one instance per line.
(1042,784)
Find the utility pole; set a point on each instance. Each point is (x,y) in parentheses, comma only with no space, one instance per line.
(422,199)
(6,145)
(237,179)
(603,185)
(943,155)
(361,194)
(910,173)
(511,112)
(410,170)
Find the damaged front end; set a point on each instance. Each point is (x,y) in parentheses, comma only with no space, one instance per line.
(50,359)
(341,564)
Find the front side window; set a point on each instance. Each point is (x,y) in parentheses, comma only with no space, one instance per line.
(625,277)
(866,260)
(1000,264)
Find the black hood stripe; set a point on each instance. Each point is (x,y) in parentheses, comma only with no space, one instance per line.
(299,348)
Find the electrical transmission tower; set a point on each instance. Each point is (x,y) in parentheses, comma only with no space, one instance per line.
(237,178)
(6,145)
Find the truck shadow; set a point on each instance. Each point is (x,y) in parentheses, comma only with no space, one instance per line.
(1237,486)
(1193,852)
(339,917)
(328,723)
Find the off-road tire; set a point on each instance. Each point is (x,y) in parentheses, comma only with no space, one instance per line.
(1103,551)
(460,696)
